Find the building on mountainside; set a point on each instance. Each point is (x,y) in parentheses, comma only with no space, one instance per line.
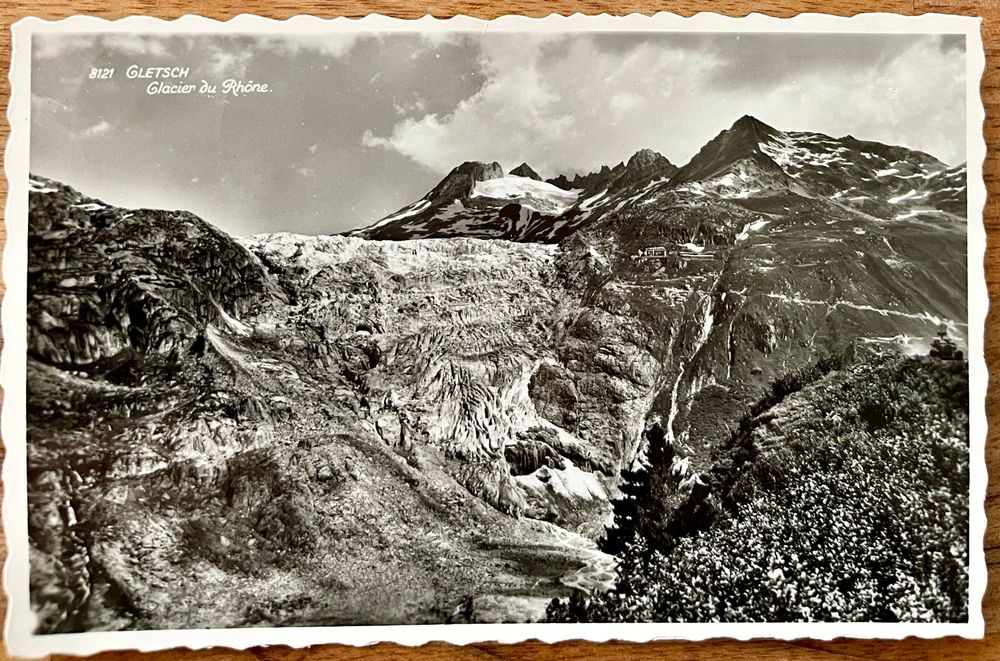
(653,251)
(944,347)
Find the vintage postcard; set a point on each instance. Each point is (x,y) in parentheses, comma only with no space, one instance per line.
(583,327)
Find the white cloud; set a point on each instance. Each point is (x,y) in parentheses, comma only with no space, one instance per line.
(133,44)
(416,106)
(435,41)
(914,99)
(565,105)
(369,139)
(100,128)
(47,104)
(622,102)
(335,44)
(549,102)
(49,46)
(232,63)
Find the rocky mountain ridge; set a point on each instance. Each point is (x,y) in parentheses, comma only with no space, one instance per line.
(750,160)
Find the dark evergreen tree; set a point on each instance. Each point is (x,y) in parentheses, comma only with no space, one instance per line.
(657,506)
(637,511)
(634,488)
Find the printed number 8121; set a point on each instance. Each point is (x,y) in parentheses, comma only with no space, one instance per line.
(102,74)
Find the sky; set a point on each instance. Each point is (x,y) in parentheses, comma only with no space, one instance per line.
(356,126)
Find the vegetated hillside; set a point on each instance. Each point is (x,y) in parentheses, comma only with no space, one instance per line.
(846,500)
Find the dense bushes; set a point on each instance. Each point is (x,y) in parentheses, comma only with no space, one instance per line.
(856,511)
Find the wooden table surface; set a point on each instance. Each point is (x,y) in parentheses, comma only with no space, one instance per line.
(946,648)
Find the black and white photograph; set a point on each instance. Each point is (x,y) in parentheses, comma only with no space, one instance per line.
(346,328)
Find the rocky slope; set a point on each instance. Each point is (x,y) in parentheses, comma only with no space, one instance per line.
(230,442)
(278,428)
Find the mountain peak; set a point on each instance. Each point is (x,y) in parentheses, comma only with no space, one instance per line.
(462,179)
(524,170)
(754,130)
(646,157)
(644,166)
(751,121)
(479,169)
(740,141)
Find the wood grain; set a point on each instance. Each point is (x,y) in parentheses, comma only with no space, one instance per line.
(947,648)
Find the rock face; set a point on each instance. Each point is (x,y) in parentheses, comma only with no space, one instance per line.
(741,143)
(524,170)
(644,167)
(460,181)
(592,182)
(88,305)
(277,428)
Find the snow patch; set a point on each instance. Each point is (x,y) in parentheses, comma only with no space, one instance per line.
(586,204)
(538,196)
(694,187)
(904,196)
(36,186)
(451,210)
(755,226)
(405,212)
(916,212)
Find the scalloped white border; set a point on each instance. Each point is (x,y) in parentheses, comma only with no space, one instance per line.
(20,619)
